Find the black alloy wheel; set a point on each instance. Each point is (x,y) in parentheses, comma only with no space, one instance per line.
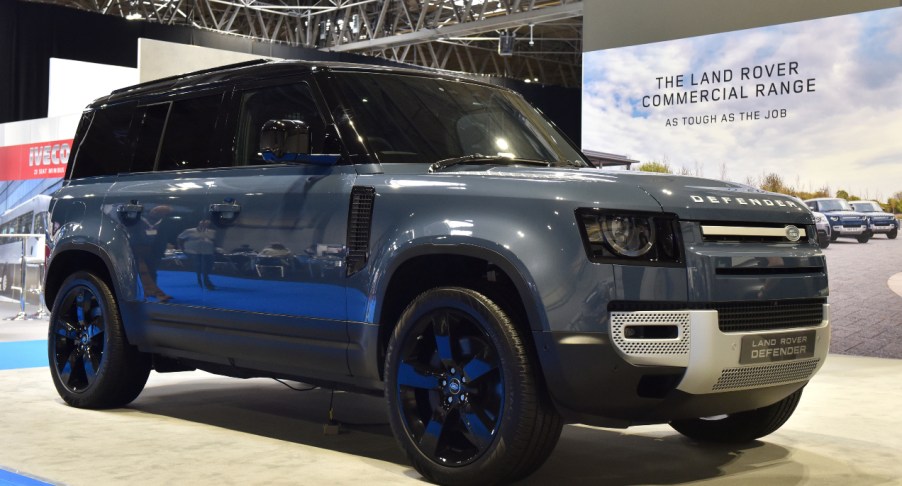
(91,363)
(462,395)
(78,335)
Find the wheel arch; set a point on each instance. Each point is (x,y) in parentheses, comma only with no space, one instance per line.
(71,258)
(430,265)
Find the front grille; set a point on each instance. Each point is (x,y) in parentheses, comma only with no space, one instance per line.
(743,316)
(765,375)
(764,316)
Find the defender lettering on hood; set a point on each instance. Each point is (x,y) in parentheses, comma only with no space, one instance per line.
(743,201)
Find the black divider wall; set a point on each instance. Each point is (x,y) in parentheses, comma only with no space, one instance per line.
(32,33)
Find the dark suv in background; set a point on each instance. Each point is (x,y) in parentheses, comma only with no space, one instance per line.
(432,239)
(880,222)
(844,221)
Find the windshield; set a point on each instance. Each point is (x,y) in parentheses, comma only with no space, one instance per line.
(835,205)
(414,119)
(867,207)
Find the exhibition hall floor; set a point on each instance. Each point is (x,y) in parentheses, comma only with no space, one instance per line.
(199,429)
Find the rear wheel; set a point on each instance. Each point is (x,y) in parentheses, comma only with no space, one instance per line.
(463,391)
(91,363)
(742,427)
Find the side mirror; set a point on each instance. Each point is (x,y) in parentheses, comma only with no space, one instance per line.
(284,140)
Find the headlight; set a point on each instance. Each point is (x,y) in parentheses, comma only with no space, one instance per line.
(630,238)
(819,219)
(834,218)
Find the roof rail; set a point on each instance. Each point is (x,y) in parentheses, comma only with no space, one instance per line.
(202,71)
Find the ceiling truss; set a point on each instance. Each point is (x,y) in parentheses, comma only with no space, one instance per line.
(458,35)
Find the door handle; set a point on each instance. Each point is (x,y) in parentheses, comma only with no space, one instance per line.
(225,212)
(131,211)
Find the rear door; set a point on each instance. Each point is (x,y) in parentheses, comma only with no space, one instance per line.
(175,143)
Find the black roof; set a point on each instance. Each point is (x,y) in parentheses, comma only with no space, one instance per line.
(246,71)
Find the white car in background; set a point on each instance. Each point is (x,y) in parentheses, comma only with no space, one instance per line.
(823,229)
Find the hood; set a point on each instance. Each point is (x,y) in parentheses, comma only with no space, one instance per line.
(690,198)
(845,213)
(880,215)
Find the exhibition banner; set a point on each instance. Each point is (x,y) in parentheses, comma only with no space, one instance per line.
(817,102)
(39,160)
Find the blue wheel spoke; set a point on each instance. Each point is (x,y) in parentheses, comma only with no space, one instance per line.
(93,330)
(429,441)
(69,367)
(90,366)
(66,329)
(475,430)
(411,377)
(83,307)
(477,368)
(441,327)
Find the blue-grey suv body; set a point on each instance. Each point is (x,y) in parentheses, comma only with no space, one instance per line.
(879,221)
(431,238)
(844,221)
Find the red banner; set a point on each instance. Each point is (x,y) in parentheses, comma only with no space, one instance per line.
(39,160)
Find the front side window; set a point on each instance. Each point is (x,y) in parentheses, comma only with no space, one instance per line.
(405,118)
(289,102)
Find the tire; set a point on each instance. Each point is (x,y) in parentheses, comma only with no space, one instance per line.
(91,362)
(833,237)
(464,394)
(863,238)
(823,240)
(742,427)
(892,234)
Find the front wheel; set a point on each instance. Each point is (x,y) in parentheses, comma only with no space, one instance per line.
(464,396)
(864,237)
(892,234)
(823,240)
(741,427)
(91,363)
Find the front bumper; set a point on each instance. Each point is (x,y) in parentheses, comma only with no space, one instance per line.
(615,380)
(886,228)
(716,361)
(849,230)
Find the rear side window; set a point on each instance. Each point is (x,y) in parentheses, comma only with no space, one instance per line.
(150,121)
(189,141)
(105,149)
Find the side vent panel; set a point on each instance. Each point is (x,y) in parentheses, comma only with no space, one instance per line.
(360,218)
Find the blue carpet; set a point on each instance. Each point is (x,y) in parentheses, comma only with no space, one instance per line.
(22,354)
(8,478)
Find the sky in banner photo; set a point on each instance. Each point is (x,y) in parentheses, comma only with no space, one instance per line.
(817,102)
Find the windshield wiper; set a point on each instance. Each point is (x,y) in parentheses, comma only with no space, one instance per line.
(482,159)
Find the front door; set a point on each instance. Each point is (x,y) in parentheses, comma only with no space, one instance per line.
(270,254)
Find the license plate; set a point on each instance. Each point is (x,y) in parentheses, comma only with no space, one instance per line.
(769,348)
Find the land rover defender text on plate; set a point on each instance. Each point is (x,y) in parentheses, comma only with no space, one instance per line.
(430,238)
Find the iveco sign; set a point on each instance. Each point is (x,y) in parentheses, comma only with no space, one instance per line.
(743,201)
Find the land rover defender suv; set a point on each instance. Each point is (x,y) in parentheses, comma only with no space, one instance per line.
(844,221)
(880,222)
(432,239)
